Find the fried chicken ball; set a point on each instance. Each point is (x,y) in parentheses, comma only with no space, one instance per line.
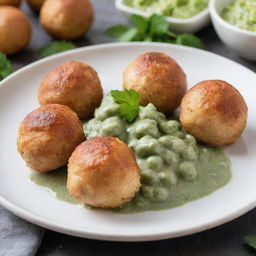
(66,19)
(47,137)
(35,4)
(15,30)
(102,172)
(214,112)
(10,2)
(73,84)
(158,79)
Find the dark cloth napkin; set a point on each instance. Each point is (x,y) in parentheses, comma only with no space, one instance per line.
(18,237)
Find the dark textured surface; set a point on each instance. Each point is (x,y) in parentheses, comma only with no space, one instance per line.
(226,240)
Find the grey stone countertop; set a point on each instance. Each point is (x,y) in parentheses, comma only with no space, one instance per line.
(225,240)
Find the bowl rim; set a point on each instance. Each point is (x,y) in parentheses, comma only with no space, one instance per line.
(216,15)
(130,10)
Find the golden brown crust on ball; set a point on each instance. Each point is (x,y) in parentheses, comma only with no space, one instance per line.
(47,137)
(73,84)
(102,172)
(66,19)
(35,4)
(158,79)
(214,112)
(15,30)
(10,2)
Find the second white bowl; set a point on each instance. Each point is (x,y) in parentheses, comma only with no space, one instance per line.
(243,42)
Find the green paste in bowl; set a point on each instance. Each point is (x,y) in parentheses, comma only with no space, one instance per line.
(241,13)
(173,8)
(175,169)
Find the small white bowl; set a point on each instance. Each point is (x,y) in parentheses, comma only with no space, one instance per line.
(243,42)
(189,25)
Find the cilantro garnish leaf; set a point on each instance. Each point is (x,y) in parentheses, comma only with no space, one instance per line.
(158,25)
(129,103)
(122,33)
(5,66)
(251,241)
(140,23)
(56,47)
(153,29)
(190,40)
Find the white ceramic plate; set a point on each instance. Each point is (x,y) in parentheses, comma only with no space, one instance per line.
(35,204)
(189,25)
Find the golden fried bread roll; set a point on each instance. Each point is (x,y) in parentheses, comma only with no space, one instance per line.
(102,172)
(73,84)
(35,4)
(158,79)
(10,2)
(214,112)
(15,30)
(66,19)
(47,137)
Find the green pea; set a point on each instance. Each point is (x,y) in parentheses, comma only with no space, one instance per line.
(155,162)
(160,194)
(147,191)
(170,157)
(169,127)
(147,146)
(145,127)
(148,112)
(190,140)
(148,177)
(189,153)
(106,110)
(175,144)
(115,127)
(167,178)
(187,171)
(92,127)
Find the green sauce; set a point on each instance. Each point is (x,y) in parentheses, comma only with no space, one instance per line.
(174,168)
(56,182)
(242,14)
(174,8)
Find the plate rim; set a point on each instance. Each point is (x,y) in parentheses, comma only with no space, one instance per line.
(107,236)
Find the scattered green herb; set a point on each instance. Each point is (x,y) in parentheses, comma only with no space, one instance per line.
(56,47)
(152,29)
(129,103)
(251,241)
(5,66)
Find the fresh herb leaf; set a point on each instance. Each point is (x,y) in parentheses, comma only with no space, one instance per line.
(152,29)
(251,241)
(122,33)
(5,66)
(140,23)
(189,40)
(56,47)
(129,103)
(158,25)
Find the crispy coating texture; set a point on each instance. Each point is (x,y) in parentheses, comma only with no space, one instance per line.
(10,2)
(73,84)
(15,30)
(102,172)
(66,19)
(47,137)
(214,112)
(35,4)
(158,79)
